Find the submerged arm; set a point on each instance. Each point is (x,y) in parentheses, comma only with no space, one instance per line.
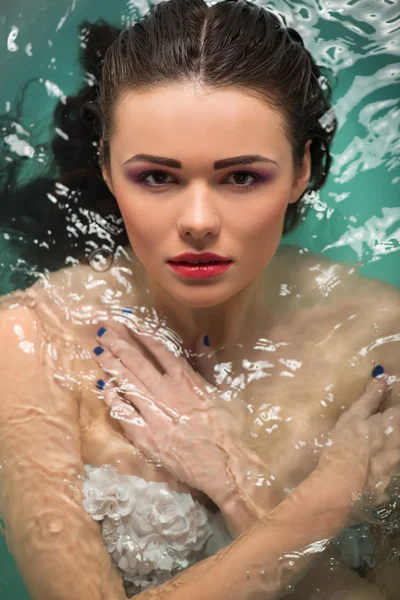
(264,560)
(56,544)
(249,498)
(58,547)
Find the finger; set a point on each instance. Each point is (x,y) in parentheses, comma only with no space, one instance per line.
(385,468)
(120,409)
(128,385)
(130,356)
(109,364)
(205,360)
(387,464)
(166,351)
(113,366)
(112,397)
(131,422)
(392,419)
(369,403)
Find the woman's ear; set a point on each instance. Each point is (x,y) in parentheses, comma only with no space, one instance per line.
(302,175)
(105,168)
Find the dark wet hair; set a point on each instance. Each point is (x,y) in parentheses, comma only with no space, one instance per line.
(231,44)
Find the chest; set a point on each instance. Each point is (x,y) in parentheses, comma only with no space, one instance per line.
(296,380)
(310,376)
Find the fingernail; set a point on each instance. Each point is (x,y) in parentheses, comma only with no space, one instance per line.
(378,370)
(100,384)
(98,350)
(206,341)
(382,377)
(101,331)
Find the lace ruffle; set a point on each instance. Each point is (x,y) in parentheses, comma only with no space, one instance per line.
(150,531)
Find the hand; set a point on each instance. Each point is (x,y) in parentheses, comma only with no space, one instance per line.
(363,453)
(169,412)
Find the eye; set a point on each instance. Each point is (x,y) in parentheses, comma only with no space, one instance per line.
(243,175)
(160,178)
(157,175)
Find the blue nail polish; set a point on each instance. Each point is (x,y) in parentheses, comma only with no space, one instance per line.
(101,331)
(98,350)
(127,311)
(206,341)
(379,370)
(100,384)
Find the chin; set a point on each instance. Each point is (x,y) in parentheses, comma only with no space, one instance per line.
(203,298)
(200,304)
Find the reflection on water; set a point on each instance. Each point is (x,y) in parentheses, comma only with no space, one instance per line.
(304,361)
(311,369)
(355,217)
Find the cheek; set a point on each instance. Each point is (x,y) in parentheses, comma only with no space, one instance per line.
(141,229)
(263,234)
(266,222)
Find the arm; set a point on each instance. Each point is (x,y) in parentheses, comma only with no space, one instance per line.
(57,546)
(250,499)
(379,306)
(263,561)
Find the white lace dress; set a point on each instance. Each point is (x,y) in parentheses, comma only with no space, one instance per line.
(151,531)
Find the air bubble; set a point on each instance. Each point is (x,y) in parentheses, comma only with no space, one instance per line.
(394,554)
(290,589)
(333,565)
(100,259)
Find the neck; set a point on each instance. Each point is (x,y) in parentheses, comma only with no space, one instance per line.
(235,320)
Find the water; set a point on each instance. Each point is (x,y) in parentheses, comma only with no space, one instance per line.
(356,217)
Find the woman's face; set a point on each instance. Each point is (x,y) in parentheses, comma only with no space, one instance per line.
(195,203)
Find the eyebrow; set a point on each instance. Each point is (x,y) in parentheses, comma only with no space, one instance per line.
(246,159)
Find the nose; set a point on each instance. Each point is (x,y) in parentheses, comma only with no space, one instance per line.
(198,217)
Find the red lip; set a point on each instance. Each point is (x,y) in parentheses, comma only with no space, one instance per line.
(191,256)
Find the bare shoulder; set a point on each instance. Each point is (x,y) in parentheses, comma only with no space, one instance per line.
(19,331)
(29,360)
(321,278)
(75,299)
(379,338)
(81,285)
(355,318)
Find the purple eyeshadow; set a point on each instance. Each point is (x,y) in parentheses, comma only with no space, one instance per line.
(134,175)
(138,176)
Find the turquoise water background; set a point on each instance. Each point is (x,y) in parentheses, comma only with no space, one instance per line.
(356,217)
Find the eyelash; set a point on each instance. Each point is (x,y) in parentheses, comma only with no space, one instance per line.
(256,176)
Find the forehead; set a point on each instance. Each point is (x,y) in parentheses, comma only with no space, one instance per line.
(179,117)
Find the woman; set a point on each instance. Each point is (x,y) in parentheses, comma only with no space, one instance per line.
(232,426)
